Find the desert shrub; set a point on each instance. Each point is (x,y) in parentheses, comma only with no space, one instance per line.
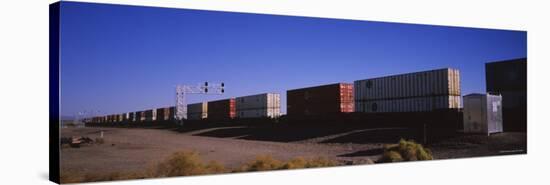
(185,163)
(391,156)
(319,162)
(214,167)
(177,164)
(295,163)
(262,163)
(405,151)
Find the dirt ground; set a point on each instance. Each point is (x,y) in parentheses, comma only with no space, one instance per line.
(135,149)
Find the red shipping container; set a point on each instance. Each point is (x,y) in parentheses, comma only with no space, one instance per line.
(320,100)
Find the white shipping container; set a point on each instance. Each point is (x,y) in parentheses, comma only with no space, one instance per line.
(427,83)
(482,113)
(412,86)
(197,111)
(260,105)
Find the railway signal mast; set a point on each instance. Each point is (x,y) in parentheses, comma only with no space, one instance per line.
(183,90)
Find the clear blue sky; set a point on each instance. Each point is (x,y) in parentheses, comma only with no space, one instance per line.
(118,59)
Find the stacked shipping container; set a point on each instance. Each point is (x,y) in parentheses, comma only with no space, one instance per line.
(221,109)
(320,100)
(509,78)
(258,106)
(150,115)
(412,92)
(197,111)
(139,116)
(165,114)
(132,117)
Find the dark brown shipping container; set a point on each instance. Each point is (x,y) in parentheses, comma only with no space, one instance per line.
(132,117)
(221,109)
(165,113)
(320,100)
(149,115)
(509,79)
(172,114)
(161,114)
(140,116)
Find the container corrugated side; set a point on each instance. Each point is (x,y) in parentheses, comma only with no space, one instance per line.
(221,109)
(320,100)
(260,105)
(418,104)
(427,83)
(434,83)
(197,111)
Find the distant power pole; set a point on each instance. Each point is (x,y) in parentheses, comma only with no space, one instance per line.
(183,90)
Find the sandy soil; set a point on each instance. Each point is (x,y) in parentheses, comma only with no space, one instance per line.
(135,149)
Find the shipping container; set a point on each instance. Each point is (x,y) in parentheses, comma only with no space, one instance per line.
(140,116)
(132,117)
(483,113)
(508,75)
(509,79)
(197,111)
(259,106)
(320,100)
(161,114)
(96,119)
(412,92)
(126,117)
(172,113)
(165,114)
(221,109)
(418,104)
(150,115)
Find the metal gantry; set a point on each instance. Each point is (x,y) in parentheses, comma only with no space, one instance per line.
(183,90)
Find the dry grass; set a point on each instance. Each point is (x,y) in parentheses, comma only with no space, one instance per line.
(406,151)
(189,163)
(263,163)
(184,164)
(178,164)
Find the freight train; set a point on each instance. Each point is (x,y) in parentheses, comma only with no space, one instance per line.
(266,105)
(424,91)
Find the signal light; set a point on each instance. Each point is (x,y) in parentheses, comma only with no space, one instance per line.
(222,84)
(223,91)
(205,83)
(205,90)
